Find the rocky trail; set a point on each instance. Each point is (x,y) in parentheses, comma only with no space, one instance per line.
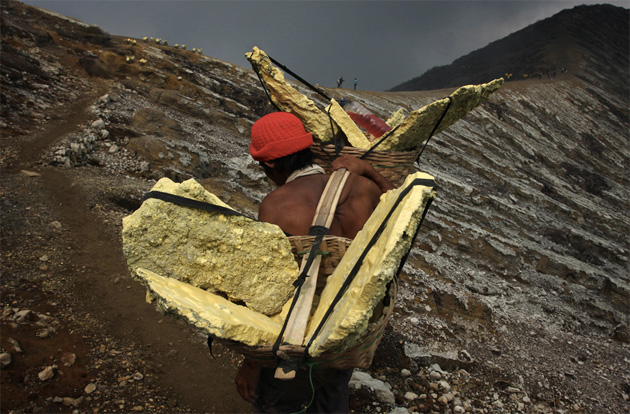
(74,294)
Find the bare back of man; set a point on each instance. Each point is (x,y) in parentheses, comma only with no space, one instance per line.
(293,205)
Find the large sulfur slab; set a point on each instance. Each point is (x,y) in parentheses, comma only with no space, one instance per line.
(246,260)
(288,98)
(417,127)
(352,313)
(355,136)
(396,119)
(210,313)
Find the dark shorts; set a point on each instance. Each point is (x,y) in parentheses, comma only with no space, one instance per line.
(280,396)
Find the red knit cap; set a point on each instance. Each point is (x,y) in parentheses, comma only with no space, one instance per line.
(278,134)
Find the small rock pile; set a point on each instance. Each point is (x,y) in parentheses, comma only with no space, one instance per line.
(435,390)
(96,145)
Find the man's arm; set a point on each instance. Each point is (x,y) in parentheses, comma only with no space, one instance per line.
(363,168)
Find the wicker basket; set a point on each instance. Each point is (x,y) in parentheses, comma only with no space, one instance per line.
(394,165)
(332,249)
(359,355)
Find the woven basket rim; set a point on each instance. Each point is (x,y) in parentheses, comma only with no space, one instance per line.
(354,356)
(329,149)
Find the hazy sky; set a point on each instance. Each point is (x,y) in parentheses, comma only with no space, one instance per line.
(381,43)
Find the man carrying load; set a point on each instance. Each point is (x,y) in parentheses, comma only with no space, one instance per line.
(281,145)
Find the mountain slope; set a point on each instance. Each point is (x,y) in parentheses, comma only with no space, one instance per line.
(517,285)
(560,41)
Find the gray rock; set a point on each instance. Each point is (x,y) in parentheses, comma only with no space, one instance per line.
(410,396)
(47,373)
(458,409)
(90,388)
(5,359)
(444,386)
(68,359)
(435,375)
(105,99)
(98,124)
(382,390)
(399,410)
(15,344)
(24,316)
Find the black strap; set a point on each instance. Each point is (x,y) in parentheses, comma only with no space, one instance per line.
(413,240)
(373,147)
(192,203)
(319,232)
(371,243)
(337,137)
(281,66)
(267,92)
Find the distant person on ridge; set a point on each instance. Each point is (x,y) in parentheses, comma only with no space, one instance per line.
(339,81)
(281,145)
(355,83)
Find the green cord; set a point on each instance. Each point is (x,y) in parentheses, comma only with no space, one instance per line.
(308,251)
(310,378)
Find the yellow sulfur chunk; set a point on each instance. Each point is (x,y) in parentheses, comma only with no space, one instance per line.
(355,136)
(245,259)
(288,98)
(417,127)
(351,315)
(211,313)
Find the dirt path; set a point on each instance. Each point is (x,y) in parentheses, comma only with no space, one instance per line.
(85,284)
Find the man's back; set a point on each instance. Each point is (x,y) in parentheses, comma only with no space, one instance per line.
(293,205)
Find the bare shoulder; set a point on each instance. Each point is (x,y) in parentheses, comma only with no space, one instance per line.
(271,204)
(362,187)
(292,206)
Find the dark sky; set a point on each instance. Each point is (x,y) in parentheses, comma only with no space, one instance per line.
(382,43)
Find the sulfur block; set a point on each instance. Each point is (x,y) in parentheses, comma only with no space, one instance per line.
(396,119)
(352,313)
(245,260)
(210,313)
(288,98)
(355,136)
(417,127)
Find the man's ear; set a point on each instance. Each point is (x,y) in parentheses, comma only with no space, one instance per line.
(269,164)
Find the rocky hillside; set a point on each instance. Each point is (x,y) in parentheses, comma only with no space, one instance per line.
(515,297)
(549,46)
